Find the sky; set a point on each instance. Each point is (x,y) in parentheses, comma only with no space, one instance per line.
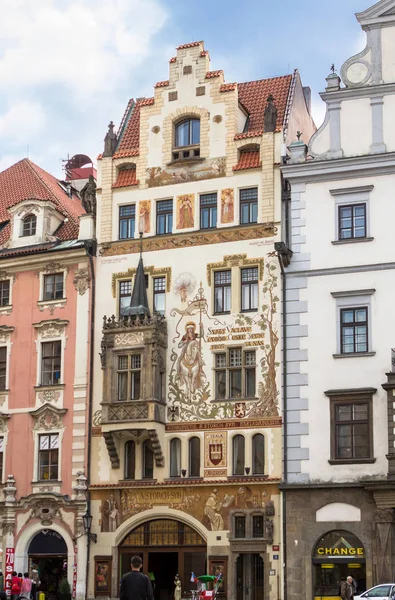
(68,67)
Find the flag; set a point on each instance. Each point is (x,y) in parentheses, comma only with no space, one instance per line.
(193,578)
(218,577)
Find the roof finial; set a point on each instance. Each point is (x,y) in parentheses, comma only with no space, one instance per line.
(298,135)
(333,68)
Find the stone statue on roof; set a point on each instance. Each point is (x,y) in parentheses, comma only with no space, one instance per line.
(110,141)
(88,196)
(270,115)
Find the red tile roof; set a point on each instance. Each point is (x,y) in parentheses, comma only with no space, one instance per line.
(204,53)
(24,181)
(212,74)
(126,178)
(249,159)
(253,95)
(228,87)
(190,45)
(173,59)
(162,83)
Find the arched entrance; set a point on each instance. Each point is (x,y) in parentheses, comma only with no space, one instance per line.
(336,555)
(48,555)
(167,547)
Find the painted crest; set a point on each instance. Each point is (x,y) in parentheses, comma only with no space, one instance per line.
(215,453)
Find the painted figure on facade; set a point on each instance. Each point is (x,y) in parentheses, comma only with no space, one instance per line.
(212,511)
(184,285)
(227,206)
(111,517)
(177,590)
(189,369)
(185,211)
(145,216)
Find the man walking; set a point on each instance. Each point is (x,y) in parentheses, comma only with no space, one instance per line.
(136,585)
(347,589)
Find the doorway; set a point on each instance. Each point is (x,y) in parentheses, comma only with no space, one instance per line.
(48,556)
(162,568)
(249,577)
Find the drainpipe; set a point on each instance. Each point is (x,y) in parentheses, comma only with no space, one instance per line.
(90,248)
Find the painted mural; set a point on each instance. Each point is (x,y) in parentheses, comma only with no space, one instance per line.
(210,505)
(227,206)
(181,173)
(190,396)
(184,286)
(185,211)
(145,216)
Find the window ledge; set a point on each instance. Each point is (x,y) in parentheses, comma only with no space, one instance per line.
(354,355)
(222,313)
(50,302)
(249,310)
(6,309)
(4,392)
(352,241)
(54,386)
(352,461)
(243,399)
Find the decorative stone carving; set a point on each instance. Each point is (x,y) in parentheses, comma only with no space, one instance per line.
(48,417)
(7,275)
(270,115)
(81,488)
(133,412)
(270,508)
(53,267)
(51,306)
(8,528)
(201,90)
(129,339)
(110,141)
(27,208)
(45,488)
(269,530)
(48,396)
(384,515)
(46,510)
(9,489)
(187,70)
(50,329)
(88,196)
(112,450)
(102,354)
(3,422)
(155,129)
(156,447)
(173,96)
(217,119)
(81,280)
(96,419)
(5,333)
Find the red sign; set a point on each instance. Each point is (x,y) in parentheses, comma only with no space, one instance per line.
(74,593)
(9,567)
(275,548)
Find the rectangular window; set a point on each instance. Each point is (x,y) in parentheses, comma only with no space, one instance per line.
(1,458)
(235,373)
(5,292)
(352,430)
(352,221)
(222,291)
(3,367)
(240,527)
(125,296)
(208,211)
(257,526)
(53,286)
(353,330)
(159,295)
(164,217)
(248,206)
(50,363)
(129,377)
(127,221)
(249,289)
(48,457)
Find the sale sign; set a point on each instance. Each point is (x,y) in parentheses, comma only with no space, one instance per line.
(74,591)
(9,567)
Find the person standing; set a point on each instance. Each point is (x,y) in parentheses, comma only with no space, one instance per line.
(1,581)
(136,585)
(26,586)
(15,585)
(347,589)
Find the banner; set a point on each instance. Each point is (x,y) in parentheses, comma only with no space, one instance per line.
(9,567)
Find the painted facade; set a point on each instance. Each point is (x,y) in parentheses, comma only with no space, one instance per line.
(45,312)
(339,393)
(186,448)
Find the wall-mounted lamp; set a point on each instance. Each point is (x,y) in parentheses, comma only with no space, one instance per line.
(87,521)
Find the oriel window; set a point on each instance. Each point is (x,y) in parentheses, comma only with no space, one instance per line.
(249,289)
(53,286)
(48,458)
(51,363)
(127,221)
(222,291)
(129,377)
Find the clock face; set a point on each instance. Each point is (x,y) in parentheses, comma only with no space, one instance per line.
(44,442)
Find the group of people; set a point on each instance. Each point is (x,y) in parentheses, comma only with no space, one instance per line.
(22,586)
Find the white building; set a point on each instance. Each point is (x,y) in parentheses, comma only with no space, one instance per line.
(339,443)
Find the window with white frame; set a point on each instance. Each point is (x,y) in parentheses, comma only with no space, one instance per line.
(249,289)
(235,373)
(51,359)
(352,214)
(5,292)
(29,225)
(159,294)
(3,368)
(129,377)
(353,322)
(124,296)
(48,457)
(53,286)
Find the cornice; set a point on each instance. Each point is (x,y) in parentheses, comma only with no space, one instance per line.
(367,91)
(25,262)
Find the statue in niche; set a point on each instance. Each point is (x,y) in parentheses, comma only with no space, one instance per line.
(177,590)
(88,196)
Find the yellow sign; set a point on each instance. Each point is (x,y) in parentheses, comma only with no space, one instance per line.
(340,551)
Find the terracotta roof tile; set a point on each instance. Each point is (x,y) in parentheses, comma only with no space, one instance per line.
(162,83)
(212,74)
(130,141)
(190,45)
(253,95)
(228,87)
(248,160)
(173,59)
(126,178)
(204,53)
(182,482)
(25,180)
(248,134)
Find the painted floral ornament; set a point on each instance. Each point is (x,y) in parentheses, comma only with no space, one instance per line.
(184,285)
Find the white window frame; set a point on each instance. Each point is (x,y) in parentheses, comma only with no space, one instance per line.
(8,308)
(4,436)
(44,335)
(353,299)
(37,433)
(52,303)
(350,196)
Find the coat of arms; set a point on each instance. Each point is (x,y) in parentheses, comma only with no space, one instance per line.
(215,453)
(240,410)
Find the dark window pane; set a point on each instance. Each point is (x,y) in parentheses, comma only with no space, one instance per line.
(130,460)
(257,526)
(3,367)
(258,454)
(235,383)
(194,457)
(238,455)
(175,458)
(5,293)
(122,386)
(148,460)
(240,527)
(220,385)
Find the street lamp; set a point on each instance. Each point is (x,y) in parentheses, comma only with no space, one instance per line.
(87,521)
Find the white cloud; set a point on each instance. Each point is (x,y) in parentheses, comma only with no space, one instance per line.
(21,122)
(85,45)
(318,110)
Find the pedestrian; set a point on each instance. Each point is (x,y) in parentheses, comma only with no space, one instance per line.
(26,586)
(1,581)
(136,585)
(15,585)
(347,589)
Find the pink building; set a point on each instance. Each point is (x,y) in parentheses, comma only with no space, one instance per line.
(46,290)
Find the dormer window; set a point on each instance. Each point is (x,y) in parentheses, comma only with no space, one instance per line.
(187,139)
(29,225)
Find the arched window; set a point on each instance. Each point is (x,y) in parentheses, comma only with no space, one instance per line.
(187,133)
(130,460)
(29,225)
(238,455)
(148,460)
(175,458)
(258,454)
(194,457)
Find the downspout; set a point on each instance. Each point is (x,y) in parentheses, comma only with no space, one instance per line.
(90,248)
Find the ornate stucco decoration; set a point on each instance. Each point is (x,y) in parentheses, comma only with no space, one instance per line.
(48,396)
(5,333)
(46,510)
(51,328)
(81,488)
(3,422)
(81,280)
(28,208)
(8,528)
(235,260)
(130,273)
(9,489)
(129,339)
(48,417)
(7,275)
